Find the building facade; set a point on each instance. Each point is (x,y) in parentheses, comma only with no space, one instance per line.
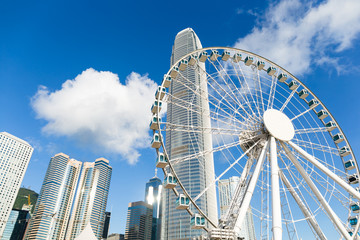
(227,188)
(54,204)
(153,192)
(139,221)
(91,198)
(16,225)
(194,174)
(106,225)
(15,155)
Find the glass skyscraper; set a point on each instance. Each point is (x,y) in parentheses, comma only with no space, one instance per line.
(153,192)
(16,225)
(15,155)
(91,198)
(195,174)
(139,221)
(53,207)
(227,188)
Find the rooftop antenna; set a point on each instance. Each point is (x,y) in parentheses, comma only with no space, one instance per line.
(156,172)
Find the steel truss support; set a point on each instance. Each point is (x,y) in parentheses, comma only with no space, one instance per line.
(334,218)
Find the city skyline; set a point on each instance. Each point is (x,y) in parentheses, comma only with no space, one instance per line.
(47,49)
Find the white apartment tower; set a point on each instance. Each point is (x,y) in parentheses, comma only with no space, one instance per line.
(53,206)
(15,155)
(226,190)
(91,199)
(195,174)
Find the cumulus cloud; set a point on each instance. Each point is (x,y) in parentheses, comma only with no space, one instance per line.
(296,35)
(96,109)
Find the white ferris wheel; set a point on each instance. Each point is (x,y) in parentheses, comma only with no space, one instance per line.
(297,172)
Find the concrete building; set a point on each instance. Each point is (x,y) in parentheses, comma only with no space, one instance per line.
(194,174)
(226,190)
(91,199)
(15,155)
(153,192)
(139,221)
(53,207)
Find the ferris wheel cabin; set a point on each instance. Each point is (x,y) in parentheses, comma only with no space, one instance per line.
(161,161)
(170,181)
(182,202)
(225,56)
(197,221)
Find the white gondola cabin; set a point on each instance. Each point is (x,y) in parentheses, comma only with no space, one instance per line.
(338,138)
(260,65)
(182,202)
(282,77)
(249,60)
(161,91)
(271,71)
(174,72)
(183,64)
(349,165)
(167,81)
(192,60)
(156,106)
(154,122)
(237,57)
(197,222)
(214,55)
(170,181)
(303,93)
(161,161)
(353,179)
(322,114)
(330,126)
(293,85)
(203,56)
(313,103)
(344,151)
(353,220)
(355,208)
(155,142)
(225,55)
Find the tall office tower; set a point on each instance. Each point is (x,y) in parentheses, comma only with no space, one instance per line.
(153,197)
(15,155)
(16,225)
(106,225)
(91,198)
(138,221)
(195,174)
(226,190)
(52,209)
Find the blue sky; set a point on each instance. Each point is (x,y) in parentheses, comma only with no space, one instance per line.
(45,47)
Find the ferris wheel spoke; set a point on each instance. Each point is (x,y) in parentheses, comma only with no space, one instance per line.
(207,130)
(260,90)
(287,100)
(224,172)
(335,219)
(325,170)
(245,203)
(311,130)
(304,112)
(272,93)
(317,146)
(304,209)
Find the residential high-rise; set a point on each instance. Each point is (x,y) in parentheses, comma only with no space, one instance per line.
(153,197)
(15,155)
(138,221)
(16,225)
(91,198)
(195,174)
(227,188)
(53,207)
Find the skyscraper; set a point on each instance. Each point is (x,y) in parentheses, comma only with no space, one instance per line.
(226,190)
(106,225)
(195,174)
(15,155)
(16,225)
(91,198)
(138,221)
(153,197)
(53,207)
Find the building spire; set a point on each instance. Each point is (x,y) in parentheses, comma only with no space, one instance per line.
(156,172)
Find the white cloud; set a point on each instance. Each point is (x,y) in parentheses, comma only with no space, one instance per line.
(296,35)
(96,109)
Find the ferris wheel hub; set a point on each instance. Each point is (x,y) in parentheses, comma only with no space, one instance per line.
(278,125)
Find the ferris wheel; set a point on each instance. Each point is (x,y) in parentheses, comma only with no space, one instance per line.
(295,167)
